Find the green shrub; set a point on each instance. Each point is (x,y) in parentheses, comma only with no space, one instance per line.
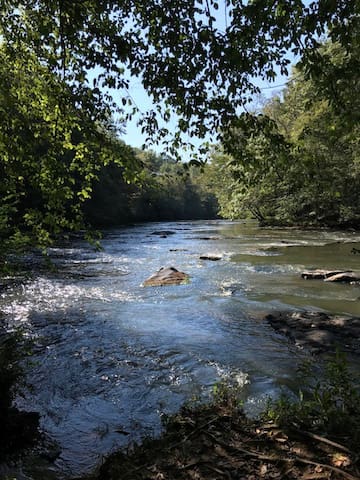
(328,402)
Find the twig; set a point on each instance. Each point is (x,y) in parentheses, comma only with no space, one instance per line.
(247,452)
(275,458)
(193,433)
(329,467)
(324,440)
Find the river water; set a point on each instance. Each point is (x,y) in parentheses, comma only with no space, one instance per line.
(111,357)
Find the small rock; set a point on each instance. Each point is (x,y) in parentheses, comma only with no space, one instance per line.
(208,238)
(163,233)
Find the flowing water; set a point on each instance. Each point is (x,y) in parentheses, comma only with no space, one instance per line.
(111,356)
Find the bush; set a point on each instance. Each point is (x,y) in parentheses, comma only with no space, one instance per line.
(330,405)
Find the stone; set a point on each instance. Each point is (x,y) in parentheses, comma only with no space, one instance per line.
(346,277)
(163,233)
(320,274)
(167,276)
(207,238)
(318,331)
(211,256)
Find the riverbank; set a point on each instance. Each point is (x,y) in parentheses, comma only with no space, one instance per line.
(217,441)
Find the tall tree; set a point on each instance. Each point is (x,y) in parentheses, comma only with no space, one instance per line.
(51,149)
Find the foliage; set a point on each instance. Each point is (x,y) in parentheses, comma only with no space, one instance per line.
(199,58)
(59,61)
(18,429)
(298,160)
(164,190)
(330,405)
(228,394)
(10,370)
(51,149)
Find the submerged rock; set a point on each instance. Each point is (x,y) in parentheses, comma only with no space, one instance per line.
(347,276)
(207,238)
(163,233)
(318,331)
(211,256)
(167,276)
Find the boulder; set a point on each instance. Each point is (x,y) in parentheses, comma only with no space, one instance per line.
(167,276)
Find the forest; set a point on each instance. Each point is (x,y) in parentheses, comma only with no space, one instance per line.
(73,192)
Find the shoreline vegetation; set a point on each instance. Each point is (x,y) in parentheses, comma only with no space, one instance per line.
(313,436)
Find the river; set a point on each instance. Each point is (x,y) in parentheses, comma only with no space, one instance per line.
(111,357)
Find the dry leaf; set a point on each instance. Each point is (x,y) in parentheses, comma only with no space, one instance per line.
(340,460)
(263,470)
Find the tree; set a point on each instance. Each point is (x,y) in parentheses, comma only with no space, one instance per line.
(298,161)
(200,58)
(165,190)
(60,58)
(51,149)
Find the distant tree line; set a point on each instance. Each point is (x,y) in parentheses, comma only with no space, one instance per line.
(164,190)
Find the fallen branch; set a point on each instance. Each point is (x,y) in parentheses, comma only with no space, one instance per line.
(275,458)
(324,440)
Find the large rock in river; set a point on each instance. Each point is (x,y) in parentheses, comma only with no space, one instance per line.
(318,331)
(347,276)
(167,276)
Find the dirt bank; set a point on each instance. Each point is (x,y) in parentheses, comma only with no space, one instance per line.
(219,442)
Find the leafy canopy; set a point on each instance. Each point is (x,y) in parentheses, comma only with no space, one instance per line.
(200,57)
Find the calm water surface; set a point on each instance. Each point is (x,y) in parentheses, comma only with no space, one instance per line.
(111,357)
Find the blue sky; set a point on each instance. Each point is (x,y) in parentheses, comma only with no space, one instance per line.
(133,135)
